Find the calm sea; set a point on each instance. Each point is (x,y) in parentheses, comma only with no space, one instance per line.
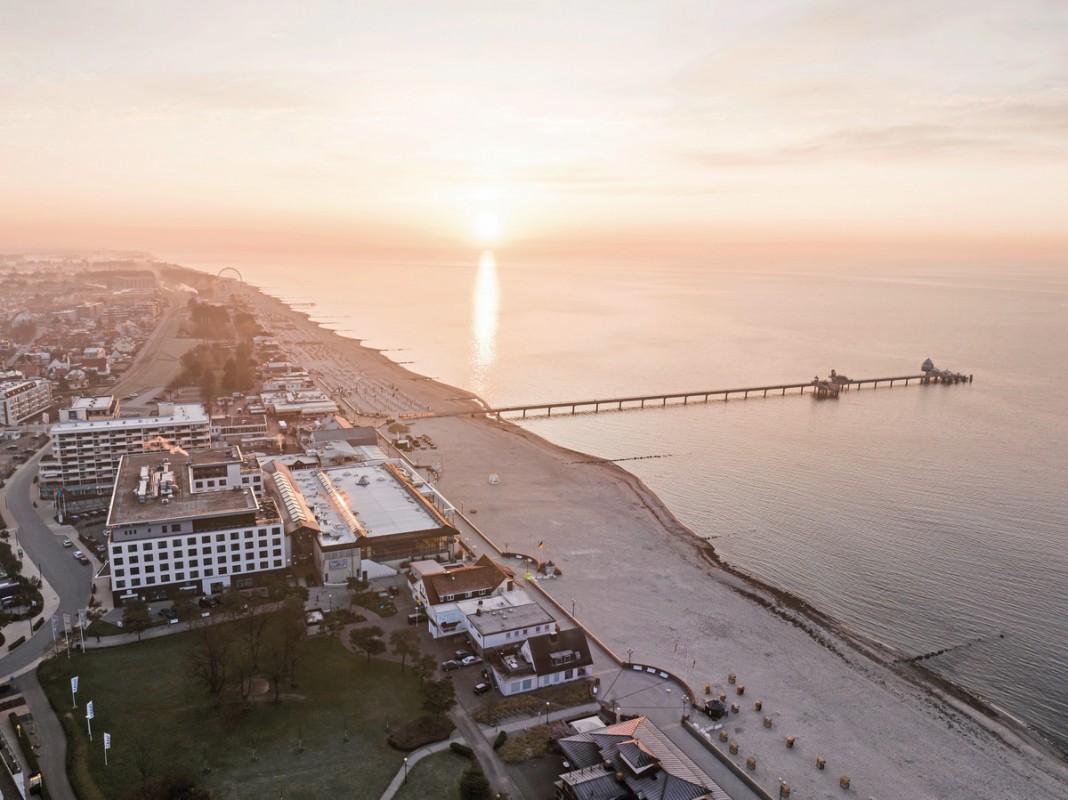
(928,517)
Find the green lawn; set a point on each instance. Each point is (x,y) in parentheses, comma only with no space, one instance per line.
(155,711)
(435,776)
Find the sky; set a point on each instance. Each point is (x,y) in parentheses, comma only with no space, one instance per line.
(422,130)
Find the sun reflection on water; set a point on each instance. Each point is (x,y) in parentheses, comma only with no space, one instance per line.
(484,307)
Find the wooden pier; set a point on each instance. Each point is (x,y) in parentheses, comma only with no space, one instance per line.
(820,388)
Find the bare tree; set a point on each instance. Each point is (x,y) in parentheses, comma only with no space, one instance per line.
(368,640)
(209,656)
(405,643)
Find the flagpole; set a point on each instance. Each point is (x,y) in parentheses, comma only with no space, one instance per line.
(89,722)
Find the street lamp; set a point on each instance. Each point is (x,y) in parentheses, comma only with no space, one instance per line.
(546,712)
(630,652)
(406,769)
(572,606)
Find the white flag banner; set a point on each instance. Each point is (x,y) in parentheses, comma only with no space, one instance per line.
(66,622)
(89,710)
(74,684)
(107,741)
(55,624)
(83,619)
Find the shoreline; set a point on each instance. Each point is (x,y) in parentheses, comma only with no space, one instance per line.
(845,644)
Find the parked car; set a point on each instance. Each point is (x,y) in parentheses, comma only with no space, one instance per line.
(416,617)
(168,613)
(482,688)
(207,601)
(78,555)
(450,665)
(462,654)
(468,661)
(82,559)
(67,542)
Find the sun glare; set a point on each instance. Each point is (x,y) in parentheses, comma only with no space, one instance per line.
(487,226)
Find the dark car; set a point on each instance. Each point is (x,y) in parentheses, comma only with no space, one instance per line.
(168,613)
(482,688)
(209,602)
(450,665)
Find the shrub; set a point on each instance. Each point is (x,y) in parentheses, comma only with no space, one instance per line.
(421,731)
(502,737)
(16,643)
(38,623)
(461,748)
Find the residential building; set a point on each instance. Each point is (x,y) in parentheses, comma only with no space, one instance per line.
(86,453)
(440,588)
(191,525)
(22,398)
(631,759)
(543,660)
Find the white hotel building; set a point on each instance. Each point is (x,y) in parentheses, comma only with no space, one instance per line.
(192,525)
(86,453)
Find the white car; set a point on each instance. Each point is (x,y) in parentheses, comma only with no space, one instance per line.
(470,660)
(67,542)
(78,555)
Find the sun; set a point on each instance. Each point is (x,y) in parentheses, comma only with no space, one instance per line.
(487,226)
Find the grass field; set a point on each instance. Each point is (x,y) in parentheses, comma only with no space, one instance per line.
(156,713)
(435,776)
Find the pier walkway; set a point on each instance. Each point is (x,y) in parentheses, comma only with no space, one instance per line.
(830,387)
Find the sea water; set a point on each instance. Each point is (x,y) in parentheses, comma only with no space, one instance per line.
(929,517)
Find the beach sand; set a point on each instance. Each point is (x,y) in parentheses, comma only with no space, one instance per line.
(642,580)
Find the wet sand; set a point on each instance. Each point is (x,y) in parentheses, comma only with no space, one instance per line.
(641,580)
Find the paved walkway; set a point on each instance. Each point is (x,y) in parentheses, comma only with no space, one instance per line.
(52,755)
(480,739)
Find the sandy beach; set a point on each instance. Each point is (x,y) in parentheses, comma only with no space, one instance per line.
(641,580)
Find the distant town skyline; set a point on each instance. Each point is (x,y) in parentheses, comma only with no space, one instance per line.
(541,129)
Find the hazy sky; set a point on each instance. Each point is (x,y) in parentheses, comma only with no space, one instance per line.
(591,128)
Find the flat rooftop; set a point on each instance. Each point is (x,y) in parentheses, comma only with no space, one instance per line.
(500,617)
(184,414)
(168,474)
(102,403)
(370,496)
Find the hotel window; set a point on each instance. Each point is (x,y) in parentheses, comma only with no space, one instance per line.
(235,546)
(150,580)
(120,584)
(209,573)
(208,561)
(179,576)
(263,565)
(278,551)
(249,545)
(194,563)
(278,562)
(220,548)
(248,534)
(119,573)
(135,570)
(150,568)
(222,570)
(194,573)
(149,556)
(205,550)
(134,559)
(220,537)
(179,565)
(117,561)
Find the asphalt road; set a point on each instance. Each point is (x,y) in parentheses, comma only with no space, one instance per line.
(43,547)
